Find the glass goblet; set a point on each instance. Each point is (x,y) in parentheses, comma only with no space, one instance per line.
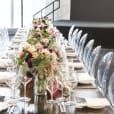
(71,83)
(25,80)
(13,83)
(52,86)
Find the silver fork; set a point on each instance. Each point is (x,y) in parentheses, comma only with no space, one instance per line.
(11,109)
(60,106)
(63,106)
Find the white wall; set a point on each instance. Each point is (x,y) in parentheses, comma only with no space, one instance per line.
(38,5)
(64,11)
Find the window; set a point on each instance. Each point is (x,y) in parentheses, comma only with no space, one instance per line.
(11,15)
(5,13)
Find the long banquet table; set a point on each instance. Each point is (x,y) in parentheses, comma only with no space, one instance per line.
(39,105)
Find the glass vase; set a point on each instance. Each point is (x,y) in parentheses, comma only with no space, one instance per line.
(40,85)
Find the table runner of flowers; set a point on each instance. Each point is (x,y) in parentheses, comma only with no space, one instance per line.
(40,54)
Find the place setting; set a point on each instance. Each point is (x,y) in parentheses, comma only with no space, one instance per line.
(7,106)
(93,103)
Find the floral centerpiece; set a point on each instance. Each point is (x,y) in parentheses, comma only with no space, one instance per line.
(40,55)
(38,59)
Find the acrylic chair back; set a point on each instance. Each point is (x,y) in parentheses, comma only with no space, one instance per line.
(70,32)
(76,42)
(87,50)
(107,74)
(73,38)
(81,45)
(103,69)
(111,91)
(91,67)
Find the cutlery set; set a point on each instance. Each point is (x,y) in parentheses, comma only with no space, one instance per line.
(62,106)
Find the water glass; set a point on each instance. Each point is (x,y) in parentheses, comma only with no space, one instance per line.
(13,83)
(25,80)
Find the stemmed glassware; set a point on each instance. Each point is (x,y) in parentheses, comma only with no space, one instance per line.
(52,86)
(13,83)
(71,82)
(73,78)
(12,62)
(25,80)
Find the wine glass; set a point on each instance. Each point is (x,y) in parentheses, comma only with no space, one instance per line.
(60,89)
(25,80)
(52,86)
(13,83)
(70,83)
(12,63)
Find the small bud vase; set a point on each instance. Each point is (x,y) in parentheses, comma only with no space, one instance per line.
(40,85)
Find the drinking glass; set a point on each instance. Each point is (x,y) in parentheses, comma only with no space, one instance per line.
(60,81)
(25,80)
(12,62)
(71,82)
(13,83)
(52,87)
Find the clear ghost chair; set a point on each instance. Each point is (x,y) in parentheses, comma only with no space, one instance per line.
(6,34)
(81,44)
(103,69)
(111,91)
(106,75)
(81,47)
(6,38)
(73,38)
(76,42)
(2,41)
(70,33)
(87,50)
(91,67)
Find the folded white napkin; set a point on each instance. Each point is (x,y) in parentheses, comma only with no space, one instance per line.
(18,37)
(14,46)
(14,40)
(20,30)
(70,54)
(94,103)
(10,52)
(68,47)
(76,64)
(5,75)
(85,78)
(4,63)
(6,104)
(97,102)
(19,34)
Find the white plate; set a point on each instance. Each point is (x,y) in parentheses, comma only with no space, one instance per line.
(96,107)
(97,103)
(76,65)
(85,78)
